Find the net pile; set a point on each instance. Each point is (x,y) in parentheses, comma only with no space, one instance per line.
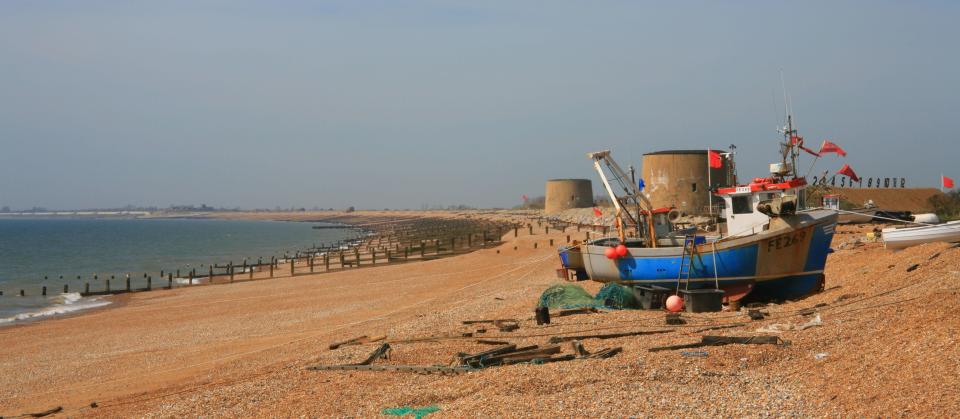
(611,296)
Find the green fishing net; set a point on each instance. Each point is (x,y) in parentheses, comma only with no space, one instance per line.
(611,296)
(417,412)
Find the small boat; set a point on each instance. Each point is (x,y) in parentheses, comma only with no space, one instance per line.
(770,249)
(899,238)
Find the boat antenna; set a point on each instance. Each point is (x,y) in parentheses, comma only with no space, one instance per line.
(789,131)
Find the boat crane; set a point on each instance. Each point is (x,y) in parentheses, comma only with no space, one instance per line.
(631,196)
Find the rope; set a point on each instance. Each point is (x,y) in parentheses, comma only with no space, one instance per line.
(877,216)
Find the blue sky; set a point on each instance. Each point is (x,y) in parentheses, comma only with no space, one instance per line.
(403,103)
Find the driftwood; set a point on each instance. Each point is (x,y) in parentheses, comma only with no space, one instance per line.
(55,410)
(489,321)
(407,368)
(605,353)
(381,352)
(468,359)
(723,340)
(357,341)
(726,326)
(526,355)
(571,312)
(601,354)
(546,360)
(492,342)
(558,339)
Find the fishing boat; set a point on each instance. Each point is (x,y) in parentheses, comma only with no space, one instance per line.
(899,238)
(769,249)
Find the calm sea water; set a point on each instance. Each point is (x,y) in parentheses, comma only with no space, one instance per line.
(32,249)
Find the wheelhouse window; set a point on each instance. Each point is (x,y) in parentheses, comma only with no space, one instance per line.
(741,204)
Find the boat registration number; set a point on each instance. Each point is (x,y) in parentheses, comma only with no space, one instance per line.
(786,241)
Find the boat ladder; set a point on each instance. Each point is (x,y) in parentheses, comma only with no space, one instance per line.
(686,261)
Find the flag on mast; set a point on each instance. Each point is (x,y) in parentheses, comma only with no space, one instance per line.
(716,160)
(946,182)
(798,141)
(828,147)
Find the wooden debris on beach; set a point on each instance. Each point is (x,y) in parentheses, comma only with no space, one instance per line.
(725,326)
(724,340)
(53,411)
(604,353)
(423,369)
(359,340)
(492,342)
(558,339)
(491,321)
(575,311)
(507,325)
(383,351)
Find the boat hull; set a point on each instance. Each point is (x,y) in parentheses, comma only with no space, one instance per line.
(784,262)
(899,238)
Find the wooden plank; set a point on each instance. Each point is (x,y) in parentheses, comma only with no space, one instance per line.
(723,340)
(353,341)
(605,353)
(558,339)
(489,321)
(492,342)
(571,312)
(405,368)
(547,360)
(528,354)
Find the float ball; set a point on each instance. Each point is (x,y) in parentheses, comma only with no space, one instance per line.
(610,253)
(621,251)
(674,304)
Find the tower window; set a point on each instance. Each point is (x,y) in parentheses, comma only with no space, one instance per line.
(693,186)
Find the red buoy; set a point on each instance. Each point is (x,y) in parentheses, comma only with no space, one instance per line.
(674,304)
(622,251)
(610,253)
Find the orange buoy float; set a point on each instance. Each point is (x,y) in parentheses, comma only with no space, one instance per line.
(674,304)
(622,251)
(610,253)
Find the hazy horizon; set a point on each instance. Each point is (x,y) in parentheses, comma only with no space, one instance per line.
(399,105)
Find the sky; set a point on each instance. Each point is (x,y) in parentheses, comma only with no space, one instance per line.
(401,104)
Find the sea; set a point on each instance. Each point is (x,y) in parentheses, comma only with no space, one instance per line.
(54,252)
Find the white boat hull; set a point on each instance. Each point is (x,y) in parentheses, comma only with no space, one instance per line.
(899,238)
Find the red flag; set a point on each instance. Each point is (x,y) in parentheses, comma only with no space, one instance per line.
(596,212)
(829,147)
(716,160)
(525,198)
(796,140)
(848,172)
(947,182)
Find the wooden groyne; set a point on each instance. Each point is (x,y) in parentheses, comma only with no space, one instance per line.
(378,242)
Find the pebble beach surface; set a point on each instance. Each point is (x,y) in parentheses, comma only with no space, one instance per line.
(886,346)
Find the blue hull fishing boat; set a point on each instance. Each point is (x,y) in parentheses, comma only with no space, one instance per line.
(784,262)
(769,249)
